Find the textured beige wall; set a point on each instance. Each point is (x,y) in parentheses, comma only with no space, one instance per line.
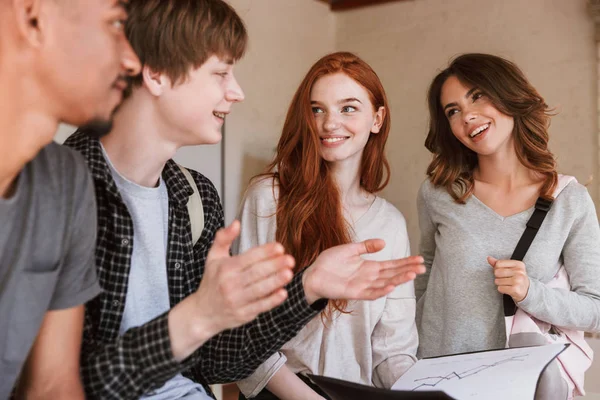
(408,42)
(286,38)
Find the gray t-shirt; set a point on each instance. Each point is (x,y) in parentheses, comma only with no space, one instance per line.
(147,285)
(47,241)
(459,308)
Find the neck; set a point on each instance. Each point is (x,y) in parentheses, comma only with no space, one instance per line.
(346,175)
(25,125)
(503,169)
(137,146)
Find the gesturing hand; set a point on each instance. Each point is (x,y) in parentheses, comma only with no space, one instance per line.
(234,290)
(510,278)
(340,273)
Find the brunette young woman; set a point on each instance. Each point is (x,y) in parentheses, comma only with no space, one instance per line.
(321,191)
(489,138)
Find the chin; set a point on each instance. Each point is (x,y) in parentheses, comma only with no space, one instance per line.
(203,139)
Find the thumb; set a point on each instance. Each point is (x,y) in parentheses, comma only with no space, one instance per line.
(370,246)
(492,261)
(223,241)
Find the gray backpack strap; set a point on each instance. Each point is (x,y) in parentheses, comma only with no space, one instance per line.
(194,207)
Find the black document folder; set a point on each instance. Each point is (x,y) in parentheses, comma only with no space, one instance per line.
(338,389)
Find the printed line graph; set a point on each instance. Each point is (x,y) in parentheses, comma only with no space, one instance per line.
(433,381)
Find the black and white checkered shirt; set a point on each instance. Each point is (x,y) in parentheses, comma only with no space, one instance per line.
(125,367)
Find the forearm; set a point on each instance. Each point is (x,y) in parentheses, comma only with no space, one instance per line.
(235,354)
(562,308)
(68,389)
(136,362)
(287,386)
(187,329)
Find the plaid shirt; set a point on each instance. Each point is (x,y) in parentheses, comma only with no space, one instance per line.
(121,367)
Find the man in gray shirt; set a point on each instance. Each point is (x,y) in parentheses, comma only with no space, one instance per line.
(47,203)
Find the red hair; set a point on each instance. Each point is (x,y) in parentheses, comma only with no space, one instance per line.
(309,211)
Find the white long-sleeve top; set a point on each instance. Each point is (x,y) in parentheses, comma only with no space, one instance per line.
(374,344)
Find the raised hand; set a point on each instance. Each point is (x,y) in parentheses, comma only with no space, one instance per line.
(237,289)
(341,273)
(233,291)
(510,278)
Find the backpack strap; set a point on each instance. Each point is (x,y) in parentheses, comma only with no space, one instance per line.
(194,207)
(542,206)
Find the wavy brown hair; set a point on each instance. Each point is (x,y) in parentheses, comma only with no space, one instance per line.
(309,210)
(510,92)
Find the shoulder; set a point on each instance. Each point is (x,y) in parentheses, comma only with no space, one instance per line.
(63,167)
(392,214)
(80,141)
(205,186)
(429,191)
(574,199)
(263,190)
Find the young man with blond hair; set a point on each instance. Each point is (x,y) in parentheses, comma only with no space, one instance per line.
(159,329)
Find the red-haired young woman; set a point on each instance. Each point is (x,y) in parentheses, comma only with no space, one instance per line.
(321,192)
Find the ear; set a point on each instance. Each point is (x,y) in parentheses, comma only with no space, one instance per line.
(155,82)
(379,117)
(28,22)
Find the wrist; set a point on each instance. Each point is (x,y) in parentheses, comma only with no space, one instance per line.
(189,329)
(309,292)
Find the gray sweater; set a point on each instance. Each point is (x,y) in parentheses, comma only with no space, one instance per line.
(459,308)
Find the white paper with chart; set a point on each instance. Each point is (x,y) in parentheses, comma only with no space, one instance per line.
(499,374)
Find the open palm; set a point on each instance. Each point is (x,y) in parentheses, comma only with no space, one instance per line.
(341,273)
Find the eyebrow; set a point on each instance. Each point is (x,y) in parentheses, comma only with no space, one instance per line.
(469,93)
(348,100)
(124,4)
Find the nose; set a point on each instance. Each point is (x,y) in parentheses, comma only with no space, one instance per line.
(469,115)
(234,92)
(331,122)
(129,60)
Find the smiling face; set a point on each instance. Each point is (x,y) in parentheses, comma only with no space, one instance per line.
(474,120)
(344,116)
(195,109)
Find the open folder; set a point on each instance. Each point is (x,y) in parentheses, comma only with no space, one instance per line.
(492,375)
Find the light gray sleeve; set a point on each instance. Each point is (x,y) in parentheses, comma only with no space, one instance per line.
(579,308)
(257,218)
(77,282)
(395,338)
(427,243)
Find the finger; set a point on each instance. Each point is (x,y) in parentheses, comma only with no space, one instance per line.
(492,261)
(375,293)
(395,280)
(509,264)
(263,269)
(266,286)
(223,240)
(389,273)
(400,263)
(369,246)
(260,253)
(504,281)
(504,272)
(504,289)
(259,306)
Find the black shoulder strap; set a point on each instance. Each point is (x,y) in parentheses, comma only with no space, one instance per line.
(542,206)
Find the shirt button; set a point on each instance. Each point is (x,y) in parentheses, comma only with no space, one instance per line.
(177,265)
(125,242)
(115,303)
